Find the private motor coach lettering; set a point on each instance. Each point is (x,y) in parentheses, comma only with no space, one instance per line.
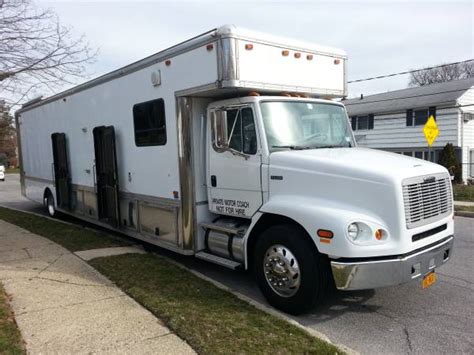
(234,207)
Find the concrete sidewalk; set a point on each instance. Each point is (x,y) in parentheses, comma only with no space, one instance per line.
(63,305)
(463,203)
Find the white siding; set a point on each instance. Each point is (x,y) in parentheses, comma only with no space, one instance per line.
(390,131)
(467,133)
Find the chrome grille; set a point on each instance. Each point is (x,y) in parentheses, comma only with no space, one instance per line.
(427,199)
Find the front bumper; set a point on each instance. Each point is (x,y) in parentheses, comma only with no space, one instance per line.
(380,272)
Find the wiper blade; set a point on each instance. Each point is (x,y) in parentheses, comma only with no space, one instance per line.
(292,147)
(330,146)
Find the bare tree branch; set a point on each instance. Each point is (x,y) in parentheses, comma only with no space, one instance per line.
(37,52)
(441,74)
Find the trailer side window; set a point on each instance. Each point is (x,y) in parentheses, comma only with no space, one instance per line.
(149,123)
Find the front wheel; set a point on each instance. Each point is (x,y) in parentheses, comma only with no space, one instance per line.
(292,275)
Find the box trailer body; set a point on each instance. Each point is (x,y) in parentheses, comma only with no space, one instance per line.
(179,150)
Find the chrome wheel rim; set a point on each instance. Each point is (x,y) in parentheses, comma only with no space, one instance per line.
(50,203)
(282,270)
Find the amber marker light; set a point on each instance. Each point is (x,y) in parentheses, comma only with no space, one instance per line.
(249,46)
(324,233)
(309,57)
(337,61)
(378,234)
(168,62)
(285,53)
(210,47)
(297,55)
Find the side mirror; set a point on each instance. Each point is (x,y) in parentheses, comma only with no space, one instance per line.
(220,129)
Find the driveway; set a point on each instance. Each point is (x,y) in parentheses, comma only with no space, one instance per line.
(396,320)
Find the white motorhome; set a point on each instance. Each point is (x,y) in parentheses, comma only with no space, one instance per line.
(228,147)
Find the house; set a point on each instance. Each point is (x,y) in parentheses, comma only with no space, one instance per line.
(393,121)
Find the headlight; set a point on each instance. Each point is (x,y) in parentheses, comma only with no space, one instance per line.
(353,231)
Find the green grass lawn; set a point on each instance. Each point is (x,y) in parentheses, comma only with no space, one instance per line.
(211,320)
(463,192)
(72,237)
(12,170)
(464,208)
(10,337)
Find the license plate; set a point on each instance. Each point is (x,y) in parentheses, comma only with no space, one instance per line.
(429,279)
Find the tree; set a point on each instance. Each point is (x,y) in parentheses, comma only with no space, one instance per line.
(36,51)
(448,159)
(7,136)
(442,73)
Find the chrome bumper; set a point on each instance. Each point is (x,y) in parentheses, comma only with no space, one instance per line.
(360,275)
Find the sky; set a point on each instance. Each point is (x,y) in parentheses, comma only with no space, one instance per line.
(380,37)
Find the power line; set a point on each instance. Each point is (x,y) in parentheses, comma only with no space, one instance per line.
(409,71)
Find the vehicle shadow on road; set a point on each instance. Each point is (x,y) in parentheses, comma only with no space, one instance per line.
(339,303)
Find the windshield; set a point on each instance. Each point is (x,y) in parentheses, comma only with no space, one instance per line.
(305,125)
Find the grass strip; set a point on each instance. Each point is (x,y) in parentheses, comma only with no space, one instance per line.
(464,208)
(463,192)
(71,237)
(211,320)
(10,337)
(12,170)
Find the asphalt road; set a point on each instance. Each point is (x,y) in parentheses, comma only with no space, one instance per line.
(396,320)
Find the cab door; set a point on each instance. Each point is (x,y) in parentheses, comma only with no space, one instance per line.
(234,166)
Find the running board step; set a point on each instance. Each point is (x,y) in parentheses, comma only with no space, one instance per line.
(218,260)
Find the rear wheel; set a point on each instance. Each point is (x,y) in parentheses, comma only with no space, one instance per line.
(291,273)
(49,204)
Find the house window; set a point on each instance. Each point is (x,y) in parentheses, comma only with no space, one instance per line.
(360,123)
(149,123)
(419,117)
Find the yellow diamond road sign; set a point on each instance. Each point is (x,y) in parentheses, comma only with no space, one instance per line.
(431,130)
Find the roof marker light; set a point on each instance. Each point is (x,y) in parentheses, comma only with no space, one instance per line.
(249,46)
(297,55)
(210,47)
(168,62)
(309,57)
(337,61)
(285,53)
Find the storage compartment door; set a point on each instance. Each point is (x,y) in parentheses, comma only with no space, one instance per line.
(106,175)
(61,171)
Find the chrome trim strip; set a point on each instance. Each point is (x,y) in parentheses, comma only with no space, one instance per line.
(187,216)
(397,270)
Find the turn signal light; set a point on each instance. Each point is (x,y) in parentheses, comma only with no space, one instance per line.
(324,233)
(378,234)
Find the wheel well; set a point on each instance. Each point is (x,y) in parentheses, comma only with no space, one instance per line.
(266,221)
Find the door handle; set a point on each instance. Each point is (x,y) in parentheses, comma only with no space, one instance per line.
(213,180)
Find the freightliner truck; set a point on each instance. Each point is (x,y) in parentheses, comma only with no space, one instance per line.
(230,147)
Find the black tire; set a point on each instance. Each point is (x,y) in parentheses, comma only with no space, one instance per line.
(49,204)
(313,267)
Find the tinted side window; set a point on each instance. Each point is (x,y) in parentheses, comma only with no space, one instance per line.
(149,123)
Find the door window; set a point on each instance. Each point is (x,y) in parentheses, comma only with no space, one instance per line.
(242,136)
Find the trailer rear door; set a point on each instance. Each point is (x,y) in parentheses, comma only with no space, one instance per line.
(106,175)
(62,177)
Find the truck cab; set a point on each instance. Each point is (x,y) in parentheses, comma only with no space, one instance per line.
(317,209)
